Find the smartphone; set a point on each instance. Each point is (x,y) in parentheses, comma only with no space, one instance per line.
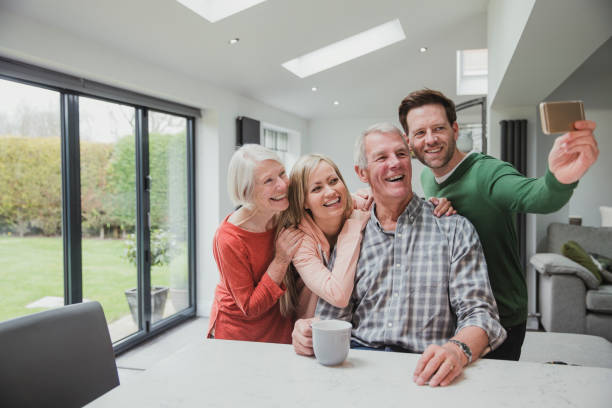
(559,117)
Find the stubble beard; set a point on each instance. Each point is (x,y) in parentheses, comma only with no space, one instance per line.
(446,159)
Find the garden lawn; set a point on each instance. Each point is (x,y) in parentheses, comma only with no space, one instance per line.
(32,267)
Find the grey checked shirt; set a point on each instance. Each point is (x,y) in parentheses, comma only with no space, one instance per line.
(420,284)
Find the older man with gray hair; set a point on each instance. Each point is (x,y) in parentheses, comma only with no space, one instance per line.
(421,283)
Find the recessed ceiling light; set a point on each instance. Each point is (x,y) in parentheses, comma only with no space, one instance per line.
(215,10)
(423,49)
(347,49)
(336,103)
(234,41)
(314,89)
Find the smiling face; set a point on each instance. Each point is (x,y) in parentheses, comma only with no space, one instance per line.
(270,185)
(433,138)
(388,170)
(326,194)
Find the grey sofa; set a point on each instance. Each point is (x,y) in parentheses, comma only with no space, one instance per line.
(570,299)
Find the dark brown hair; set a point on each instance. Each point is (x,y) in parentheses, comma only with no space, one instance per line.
(423,97)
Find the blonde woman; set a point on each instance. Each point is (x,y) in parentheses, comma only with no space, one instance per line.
(321,207)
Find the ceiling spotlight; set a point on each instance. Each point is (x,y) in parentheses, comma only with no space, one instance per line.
(423,49)
(234,41)
(336,103)
(314,89)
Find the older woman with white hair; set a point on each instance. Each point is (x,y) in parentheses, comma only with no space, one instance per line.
(252,261)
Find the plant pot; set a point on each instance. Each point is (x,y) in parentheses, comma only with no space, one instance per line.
(159,294)
(179,299)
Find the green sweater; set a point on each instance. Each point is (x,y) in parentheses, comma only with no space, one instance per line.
(489,193)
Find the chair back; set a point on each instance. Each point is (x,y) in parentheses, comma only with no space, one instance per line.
(57,358)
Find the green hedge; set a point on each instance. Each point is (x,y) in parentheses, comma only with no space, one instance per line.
(30,184)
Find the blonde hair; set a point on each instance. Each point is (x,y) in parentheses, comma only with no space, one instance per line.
(241,171)
(292,217)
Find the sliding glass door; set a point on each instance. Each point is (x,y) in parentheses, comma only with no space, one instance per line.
(108,211)
(168,213)
(31,264)
(96,201)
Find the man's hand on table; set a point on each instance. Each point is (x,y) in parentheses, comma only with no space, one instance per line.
(302,336)
(439,365)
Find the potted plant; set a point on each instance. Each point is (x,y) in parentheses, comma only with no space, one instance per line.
(160,255)
(159,294)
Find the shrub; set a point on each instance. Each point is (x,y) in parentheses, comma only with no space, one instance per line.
(162,247)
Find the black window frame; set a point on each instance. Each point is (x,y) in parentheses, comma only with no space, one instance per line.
(70,89)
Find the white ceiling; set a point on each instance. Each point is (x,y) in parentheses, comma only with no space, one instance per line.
(165,33)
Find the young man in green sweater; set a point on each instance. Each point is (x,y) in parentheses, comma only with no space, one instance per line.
(489,193)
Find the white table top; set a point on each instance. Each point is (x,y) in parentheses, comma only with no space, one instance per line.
(579,349)
(220,373)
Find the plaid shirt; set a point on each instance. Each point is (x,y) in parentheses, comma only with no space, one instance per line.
(420,284)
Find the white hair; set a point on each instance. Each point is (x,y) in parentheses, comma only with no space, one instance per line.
(359,156)
(241,171)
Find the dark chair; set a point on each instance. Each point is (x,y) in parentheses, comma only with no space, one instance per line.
(57,358)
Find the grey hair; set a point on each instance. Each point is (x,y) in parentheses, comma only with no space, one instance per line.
(359,156)
(241,171)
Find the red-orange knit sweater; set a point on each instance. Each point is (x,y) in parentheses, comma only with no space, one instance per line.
(246,306)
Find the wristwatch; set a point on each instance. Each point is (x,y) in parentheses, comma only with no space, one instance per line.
(464,348)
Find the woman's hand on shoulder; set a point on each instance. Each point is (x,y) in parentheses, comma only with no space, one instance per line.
(362,199)
(443,206)
(287,243)
(361,217)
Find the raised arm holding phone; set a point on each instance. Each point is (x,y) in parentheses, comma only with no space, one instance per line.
(489,192)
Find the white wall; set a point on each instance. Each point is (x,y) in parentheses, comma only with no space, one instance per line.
(505,23)
(51,47)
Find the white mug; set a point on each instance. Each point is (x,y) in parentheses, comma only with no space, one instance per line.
(331,341)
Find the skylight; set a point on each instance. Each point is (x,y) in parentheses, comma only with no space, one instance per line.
(347,49)
(215,10)
(472,71)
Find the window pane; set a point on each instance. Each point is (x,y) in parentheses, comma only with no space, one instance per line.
(31,260)
(281,141)
(472,72)
(108,205)
(270,139)
(470,129)
(474,62)
(168,171)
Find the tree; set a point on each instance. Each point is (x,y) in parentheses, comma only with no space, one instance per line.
(121,179)
(96,203)
(30,184)
(168,171)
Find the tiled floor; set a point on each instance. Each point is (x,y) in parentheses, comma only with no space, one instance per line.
(135,361)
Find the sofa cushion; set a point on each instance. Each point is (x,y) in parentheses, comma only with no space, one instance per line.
(552,264)
(600,300)
(576,253)
(607,275)
(605,266)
